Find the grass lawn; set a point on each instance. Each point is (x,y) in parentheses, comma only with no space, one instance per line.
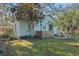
(45,47)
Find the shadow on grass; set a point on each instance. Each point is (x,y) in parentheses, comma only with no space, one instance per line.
(43,48)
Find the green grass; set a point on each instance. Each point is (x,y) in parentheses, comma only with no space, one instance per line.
(45,47)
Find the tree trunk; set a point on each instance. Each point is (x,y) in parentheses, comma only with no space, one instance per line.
(29,29)
(33,31)
(41,29)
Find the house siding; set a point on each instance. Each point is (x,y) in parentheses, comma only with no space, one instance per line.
(22,29)
(44,28)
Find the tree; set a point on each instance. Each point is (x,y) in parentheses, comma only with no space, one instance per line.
(68,21)
(6,19)
(29,12)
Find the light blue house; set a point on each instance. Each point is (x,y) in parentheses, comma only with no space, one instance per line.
(43,29)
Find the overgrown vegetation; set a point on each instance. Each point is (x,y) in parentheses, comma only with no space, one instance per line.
(67,22)
(1,51)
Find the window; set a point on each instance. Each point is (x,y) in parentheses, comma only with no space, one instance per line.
(44,27)
(50,27)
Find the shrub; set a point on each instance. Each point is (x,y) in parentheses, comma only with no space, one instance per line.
(1,50)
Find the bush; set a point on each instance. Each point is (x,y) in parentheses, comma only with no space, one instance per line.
(13,38)
(1,50)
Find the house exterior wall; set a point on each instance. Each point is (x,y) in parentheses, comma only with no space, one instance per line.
(44,23)
(44,28)
(23,28)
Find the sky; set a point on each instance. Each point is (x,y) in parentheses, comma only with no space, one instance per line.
(64,4)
